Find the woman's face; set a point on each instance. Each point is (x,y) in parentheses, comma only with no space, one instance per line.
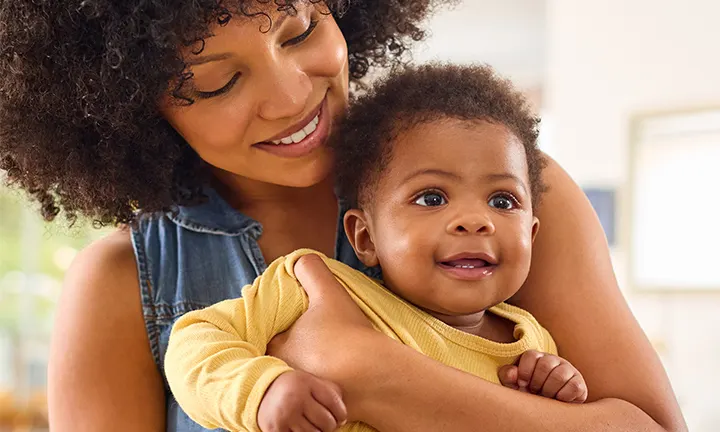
(265,98)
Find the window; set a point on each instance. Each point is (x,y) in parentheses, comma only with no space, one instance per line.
(675,202)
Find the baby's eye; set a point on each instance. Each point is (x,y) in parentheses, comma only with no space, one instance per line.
(431,199)
(502,202)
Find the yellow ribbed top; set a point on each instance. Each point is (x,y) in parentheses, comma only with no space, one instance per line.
(217,367)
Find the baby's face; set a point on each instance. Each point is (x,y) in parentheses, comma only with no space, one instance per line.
(451,218)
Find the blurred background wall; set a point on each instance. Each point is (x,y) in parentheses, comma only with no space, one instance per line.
(629,93)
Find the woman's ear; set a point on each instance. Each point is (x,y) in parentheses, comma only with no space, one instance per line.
(535,227)
(358,233)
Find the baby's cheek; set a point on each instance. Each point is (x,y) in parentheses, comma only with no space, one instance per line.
(525,255)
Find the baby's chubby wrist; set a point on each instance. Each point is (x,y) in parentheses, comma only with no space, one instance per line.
(296,400)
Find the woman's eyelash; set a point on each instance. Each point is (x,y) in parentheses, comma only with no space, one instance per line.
(223,89)
(296,40)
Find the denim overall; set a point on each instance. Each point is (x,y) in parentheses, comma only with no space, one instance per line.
(196,257)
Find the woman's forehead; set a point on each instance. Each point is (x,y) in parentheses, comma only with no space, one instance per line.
(248,21)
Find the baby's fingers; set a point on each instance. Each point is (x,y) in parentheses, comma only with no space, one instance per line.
(330,411)
(556,379)
(320,417)
(304,425)
(575,390)
(526,367)
(544,369)
(508,376)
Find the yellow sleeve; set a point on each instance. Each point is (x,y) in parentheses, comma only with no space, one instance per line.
(548,342)
(216,364)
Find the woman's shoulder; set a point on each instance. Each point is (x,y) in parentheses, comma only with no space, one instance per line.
(109,259)
(99,327)
(104,274)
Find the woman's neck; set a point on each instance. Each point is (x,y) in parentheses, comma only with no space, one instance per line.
(246,194)
(292,218)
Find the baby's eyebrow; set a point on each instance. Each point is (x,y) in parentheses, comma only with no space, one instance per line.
(506,176)
(432,171)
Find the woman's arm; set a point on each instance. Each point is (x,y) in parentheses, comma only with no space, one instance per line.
(397,389)
(102,376)
(572,291)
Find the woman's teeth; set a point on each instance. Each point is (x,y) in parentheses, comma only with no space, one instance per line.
(301,134)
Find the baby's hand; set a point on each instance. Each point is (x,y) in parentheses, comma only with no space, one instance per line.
(300,402)
(546,375)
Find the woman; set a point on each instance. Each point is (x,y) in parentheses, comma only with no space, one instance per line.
(219,114)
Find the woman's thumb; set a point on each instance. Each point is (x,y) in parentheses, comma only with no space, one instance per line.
(319,283)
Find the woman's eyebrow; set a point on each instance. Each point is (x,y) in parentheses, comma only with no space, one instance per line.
(198,60)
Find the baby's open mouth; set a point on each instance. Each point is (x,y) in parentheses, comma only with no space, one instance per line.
(466,263)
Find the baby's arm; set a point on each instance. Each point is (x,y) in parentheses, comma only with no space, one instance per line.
(218,371)
(545,375)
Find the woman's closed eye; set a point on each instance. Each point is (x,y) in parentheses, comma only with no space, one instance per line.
(229,85)
(221,90)
(300,38)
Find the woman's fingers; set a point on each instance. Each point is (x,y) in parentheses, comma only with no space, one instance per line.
(324,289)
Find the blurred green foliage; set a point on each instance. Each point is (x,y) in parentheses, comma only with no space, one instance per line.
(35,254)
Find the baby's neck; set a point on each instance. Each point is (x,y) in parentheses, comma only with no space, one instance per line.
(482,323)
(470,323)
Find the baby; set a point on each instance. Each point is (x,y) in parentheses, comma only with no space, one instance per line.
(440,167)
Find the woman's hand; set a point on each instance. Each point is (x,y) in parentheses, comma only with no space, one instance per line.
(392,387)
(330,337)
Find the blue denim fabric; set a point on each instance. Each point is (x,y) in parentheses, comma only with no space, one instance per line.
(195,257)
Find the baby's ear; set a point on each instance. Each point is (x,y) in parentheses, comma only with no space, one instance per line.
(358,233)
(535,227)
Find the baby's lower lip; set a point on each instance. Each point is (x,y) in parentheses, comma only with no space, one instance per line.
(468,271)
(466,263)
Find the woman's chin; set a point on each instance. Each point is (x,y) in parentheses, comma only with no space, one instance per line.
(316,173)
(309,180)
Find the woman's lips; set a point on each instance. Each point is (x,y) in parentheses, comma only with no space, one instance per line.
(305,140)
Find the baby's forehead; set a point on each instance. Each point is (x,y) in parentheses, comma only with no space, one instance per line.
(460,151)
(464,142)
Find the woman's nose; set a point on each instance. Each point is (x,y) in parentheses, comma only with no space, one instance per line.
(287,91)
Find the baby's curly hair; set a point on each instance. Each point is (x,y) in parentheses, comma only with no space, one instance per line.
(80,80)
(420,95)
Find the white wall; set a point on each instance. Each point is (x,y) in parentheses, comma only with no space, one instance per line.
(607,62)
(507,34)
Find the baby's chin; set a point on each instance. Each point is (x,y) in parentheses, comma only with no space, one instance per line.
(449,312)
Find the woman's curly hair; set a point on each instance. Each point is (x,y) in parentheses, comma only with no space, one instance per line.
(79,85)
